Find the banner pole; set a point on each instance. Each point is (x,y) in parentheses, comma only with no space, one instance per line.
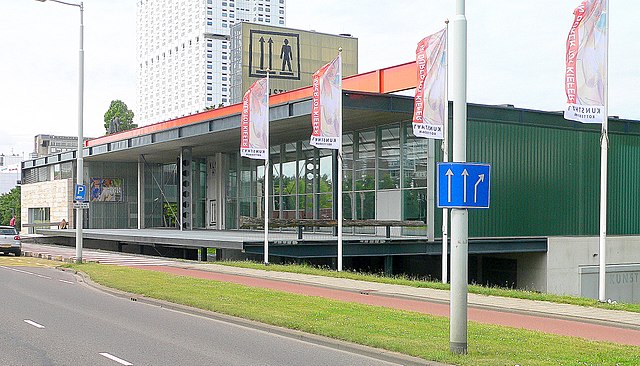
(266,184)
(339,162)
(604,147)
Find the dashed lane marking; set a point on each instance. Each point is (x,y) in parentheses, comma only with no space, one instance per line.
(31,322)
(117,359)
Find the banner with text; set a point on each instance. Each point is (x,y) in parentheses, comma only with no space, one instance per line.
(430,99)
(586,63)
(326,110)
(254,121)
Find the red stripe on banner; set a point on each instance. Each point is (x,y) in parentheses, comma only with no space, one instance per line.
(421,68)
(573,44)
(245,120)
(315,108)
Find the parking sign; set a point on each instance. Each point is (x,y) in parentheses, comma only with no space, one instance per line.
(81,193)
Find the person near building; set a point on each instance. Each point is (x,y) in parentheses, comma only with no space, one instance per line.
(12,222)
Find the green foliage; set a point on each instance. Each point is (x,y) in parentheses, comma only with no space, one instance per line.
(9,206)
(169,214)
(119,109)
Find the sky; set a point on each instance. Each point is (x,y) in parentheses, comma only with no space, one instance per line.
(516,54)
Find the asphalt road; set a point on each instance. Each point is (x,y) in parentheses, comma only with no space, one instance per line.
(49,317)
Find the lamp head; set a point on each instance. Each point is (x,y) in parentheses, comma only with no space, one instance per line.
(41,1)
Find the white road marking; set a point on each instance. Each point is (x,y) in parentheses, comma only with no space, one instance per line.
(30,322)
(65,281)
(114,358)
(30,273)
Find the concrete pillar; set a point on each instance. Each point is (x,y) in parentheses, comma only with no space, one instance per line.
(186,189)
(388,265)
(141,213)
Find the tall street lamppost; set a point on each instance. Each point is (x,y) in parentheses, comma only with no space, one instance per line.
(79,164)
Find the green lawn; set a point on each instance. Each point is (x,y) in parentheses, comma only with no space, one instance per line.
(406,332)
(399,280)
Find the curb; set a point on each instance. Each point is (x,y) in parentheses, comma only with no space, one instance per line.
(367,351)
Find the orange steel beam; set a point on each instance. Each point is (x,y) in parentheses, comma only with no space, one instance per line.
(388,80)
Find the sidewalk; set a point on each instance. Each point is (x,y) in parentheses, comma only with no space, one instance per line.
(590,323)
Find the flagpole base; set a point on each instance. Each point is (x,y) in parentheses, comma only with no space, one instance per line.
(458,348)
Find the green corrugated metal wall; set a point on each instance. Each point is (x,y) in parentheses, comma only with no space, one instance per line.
(545,174)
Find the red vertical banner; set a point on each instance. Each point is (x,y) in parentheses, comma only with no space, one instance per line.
(326,110)
(586,63)
(430,98)
(254,121)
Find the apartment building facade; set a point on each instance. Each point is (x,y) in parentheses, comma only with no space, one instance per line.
(183,52)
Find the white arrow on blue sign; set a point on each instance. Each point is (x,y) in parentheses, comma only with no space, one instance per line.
(463,185)
(80,193)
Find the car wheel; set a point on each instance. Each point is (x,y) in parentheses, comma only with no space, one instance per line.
(18,253)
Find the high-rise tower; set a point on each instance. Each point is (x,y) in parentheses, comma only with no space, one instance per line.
(183,52)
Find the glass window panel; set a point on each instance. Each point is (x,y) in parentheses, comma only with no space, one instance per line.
(414,160)
(231,213)
(365,161)
(288,207)
(389,158)
(232,177)
(347,207)
(289,165)
(325,202)
(365,205)
(414,207)
(415,204)
(305,205)
(326,174)
(347,162)
(308,168)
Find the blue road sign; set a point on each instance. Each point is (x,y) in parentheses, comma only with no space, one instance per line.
(463,185)
(81,193)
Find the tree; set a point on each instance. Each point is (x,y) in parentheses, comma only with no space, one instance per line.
(119,109)
(9,206)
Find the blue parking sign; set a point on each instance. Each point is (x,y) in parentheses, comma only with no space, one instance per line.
(463,185)
(80,193)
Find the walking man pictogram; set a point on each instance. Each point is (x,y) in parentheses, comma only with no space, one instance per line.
(285,54)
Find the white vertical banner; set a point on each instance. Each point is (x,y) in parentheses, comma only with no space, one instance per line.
(586,63)
(326,123)
(254,139)
(430,98)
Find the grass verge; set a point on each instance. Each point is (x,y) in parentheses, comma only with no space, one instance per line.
(415,334)
(401,280)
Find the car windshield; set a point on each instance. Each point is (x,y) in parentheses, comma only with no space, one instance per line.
(7,232)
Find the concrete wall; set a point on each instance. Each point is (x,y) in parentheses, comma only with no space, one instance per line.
(568,256)
(57,195)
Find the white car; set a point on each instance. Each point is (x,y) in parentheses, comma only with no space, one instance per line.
(10,241)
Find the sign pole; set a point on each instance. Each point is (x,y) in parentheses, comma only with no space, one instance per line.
(459,217)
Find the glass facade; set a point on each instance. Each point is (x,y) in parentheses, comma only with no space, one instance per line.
(384,177)
(161,194)
(121,212)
